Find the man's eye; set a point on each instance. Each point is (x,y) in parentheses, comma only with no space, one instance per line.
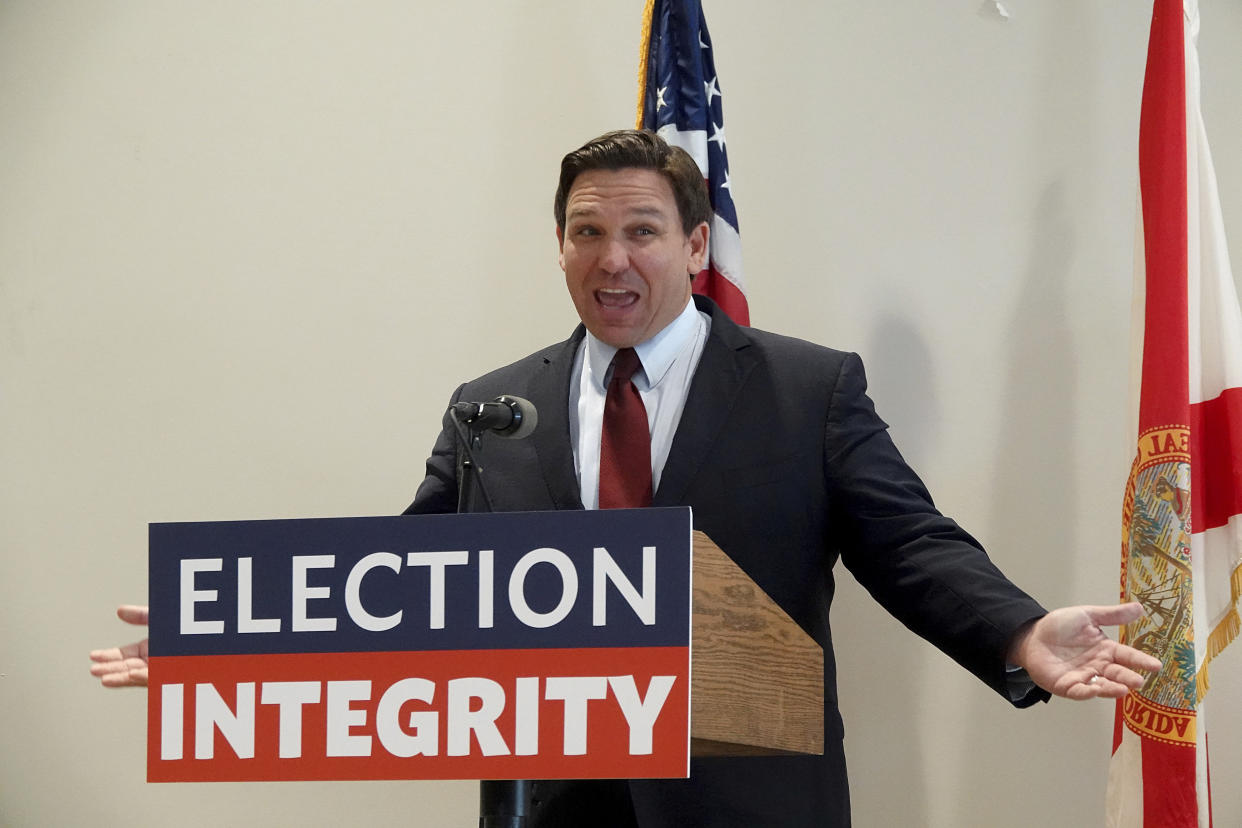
(586,231)
(644,231)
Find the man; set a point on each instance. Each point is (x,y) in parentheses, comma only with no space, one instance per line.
(777,448)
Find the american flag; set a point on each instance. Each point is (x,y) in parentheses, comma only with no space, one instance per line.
(679,98)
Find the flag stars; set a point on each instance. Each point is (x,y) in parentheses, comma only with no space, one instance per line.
(718,135)
(660,102)
(710,90)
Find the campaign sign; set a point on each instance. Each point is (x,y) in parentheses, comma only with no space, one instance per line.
(537,645)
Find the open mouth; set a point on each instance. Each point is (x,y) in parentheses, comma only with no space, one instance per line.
(615,297)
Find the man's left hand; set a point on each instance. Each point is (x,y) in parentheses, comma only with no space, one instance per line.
(1067,653)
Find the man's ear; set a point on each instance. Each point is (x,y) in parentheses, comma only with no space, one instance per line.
(699,238)
(560,247)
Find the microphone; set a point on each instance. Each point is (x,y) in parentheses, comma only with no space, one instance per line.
(507,416)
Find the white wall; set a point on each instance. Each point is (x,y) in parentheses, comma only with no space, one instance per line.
(236,237)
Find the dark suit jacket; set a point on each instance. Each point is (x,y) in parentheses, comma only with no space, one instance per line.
(788,468)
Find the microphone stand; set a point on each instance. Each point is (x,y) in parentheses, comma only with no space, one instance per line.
(469,472)
(502,803)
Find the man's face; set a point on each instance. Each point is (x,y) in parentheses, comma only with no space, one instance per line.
(627,262)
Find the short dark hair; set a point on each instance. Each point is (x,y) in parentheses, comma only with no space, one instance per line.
(639,149)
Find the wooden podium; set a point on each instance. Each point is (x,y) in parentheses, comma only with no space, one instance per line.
(757,679)
(289,649)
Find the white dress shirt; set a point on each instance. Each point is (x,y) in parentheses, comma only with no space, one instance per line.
(668,362)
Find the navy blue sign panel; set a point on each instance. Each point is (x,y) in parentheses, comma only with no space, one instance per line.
(614,578)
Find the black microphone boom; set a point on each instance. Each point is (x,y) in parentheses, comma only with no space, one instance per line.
(507,416)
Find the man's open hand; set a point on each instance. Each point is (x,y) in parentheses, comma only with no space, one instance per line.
(123,666)
(1067,653)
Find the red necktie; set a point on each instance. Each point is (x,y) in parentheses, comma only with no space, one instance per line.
(625,444)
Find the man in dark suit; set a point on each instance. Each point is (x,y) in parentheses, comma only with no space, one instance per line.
(774,444)
(777,448)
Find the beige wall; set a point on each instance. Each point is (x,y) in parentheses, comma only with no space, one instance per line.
(235,238)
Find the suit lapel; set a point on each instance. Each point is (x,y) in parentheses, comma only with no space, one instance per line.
(549,391)
(722,371)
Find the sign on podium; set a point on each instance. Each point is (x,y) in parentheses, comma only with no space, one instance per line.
(484,646)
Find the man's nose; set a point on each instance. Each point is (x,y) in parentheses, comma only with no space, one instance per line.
(614,257)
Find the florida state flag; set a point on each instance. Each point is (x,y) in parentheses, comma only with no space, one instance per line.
(1181,548)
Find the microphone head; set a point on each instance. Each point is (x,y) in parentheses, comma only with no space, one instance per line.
(525,417)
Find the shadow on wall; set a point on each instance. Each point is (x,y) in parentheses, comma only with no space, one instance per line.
(1033,502)
(910,406)
(1035,498)
(1035,495)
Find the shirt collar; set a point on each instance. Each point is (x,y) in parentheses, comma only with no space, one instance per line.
(656,354)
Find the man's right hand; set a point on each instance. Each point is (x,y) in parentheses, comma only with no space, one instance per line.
(123,666)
